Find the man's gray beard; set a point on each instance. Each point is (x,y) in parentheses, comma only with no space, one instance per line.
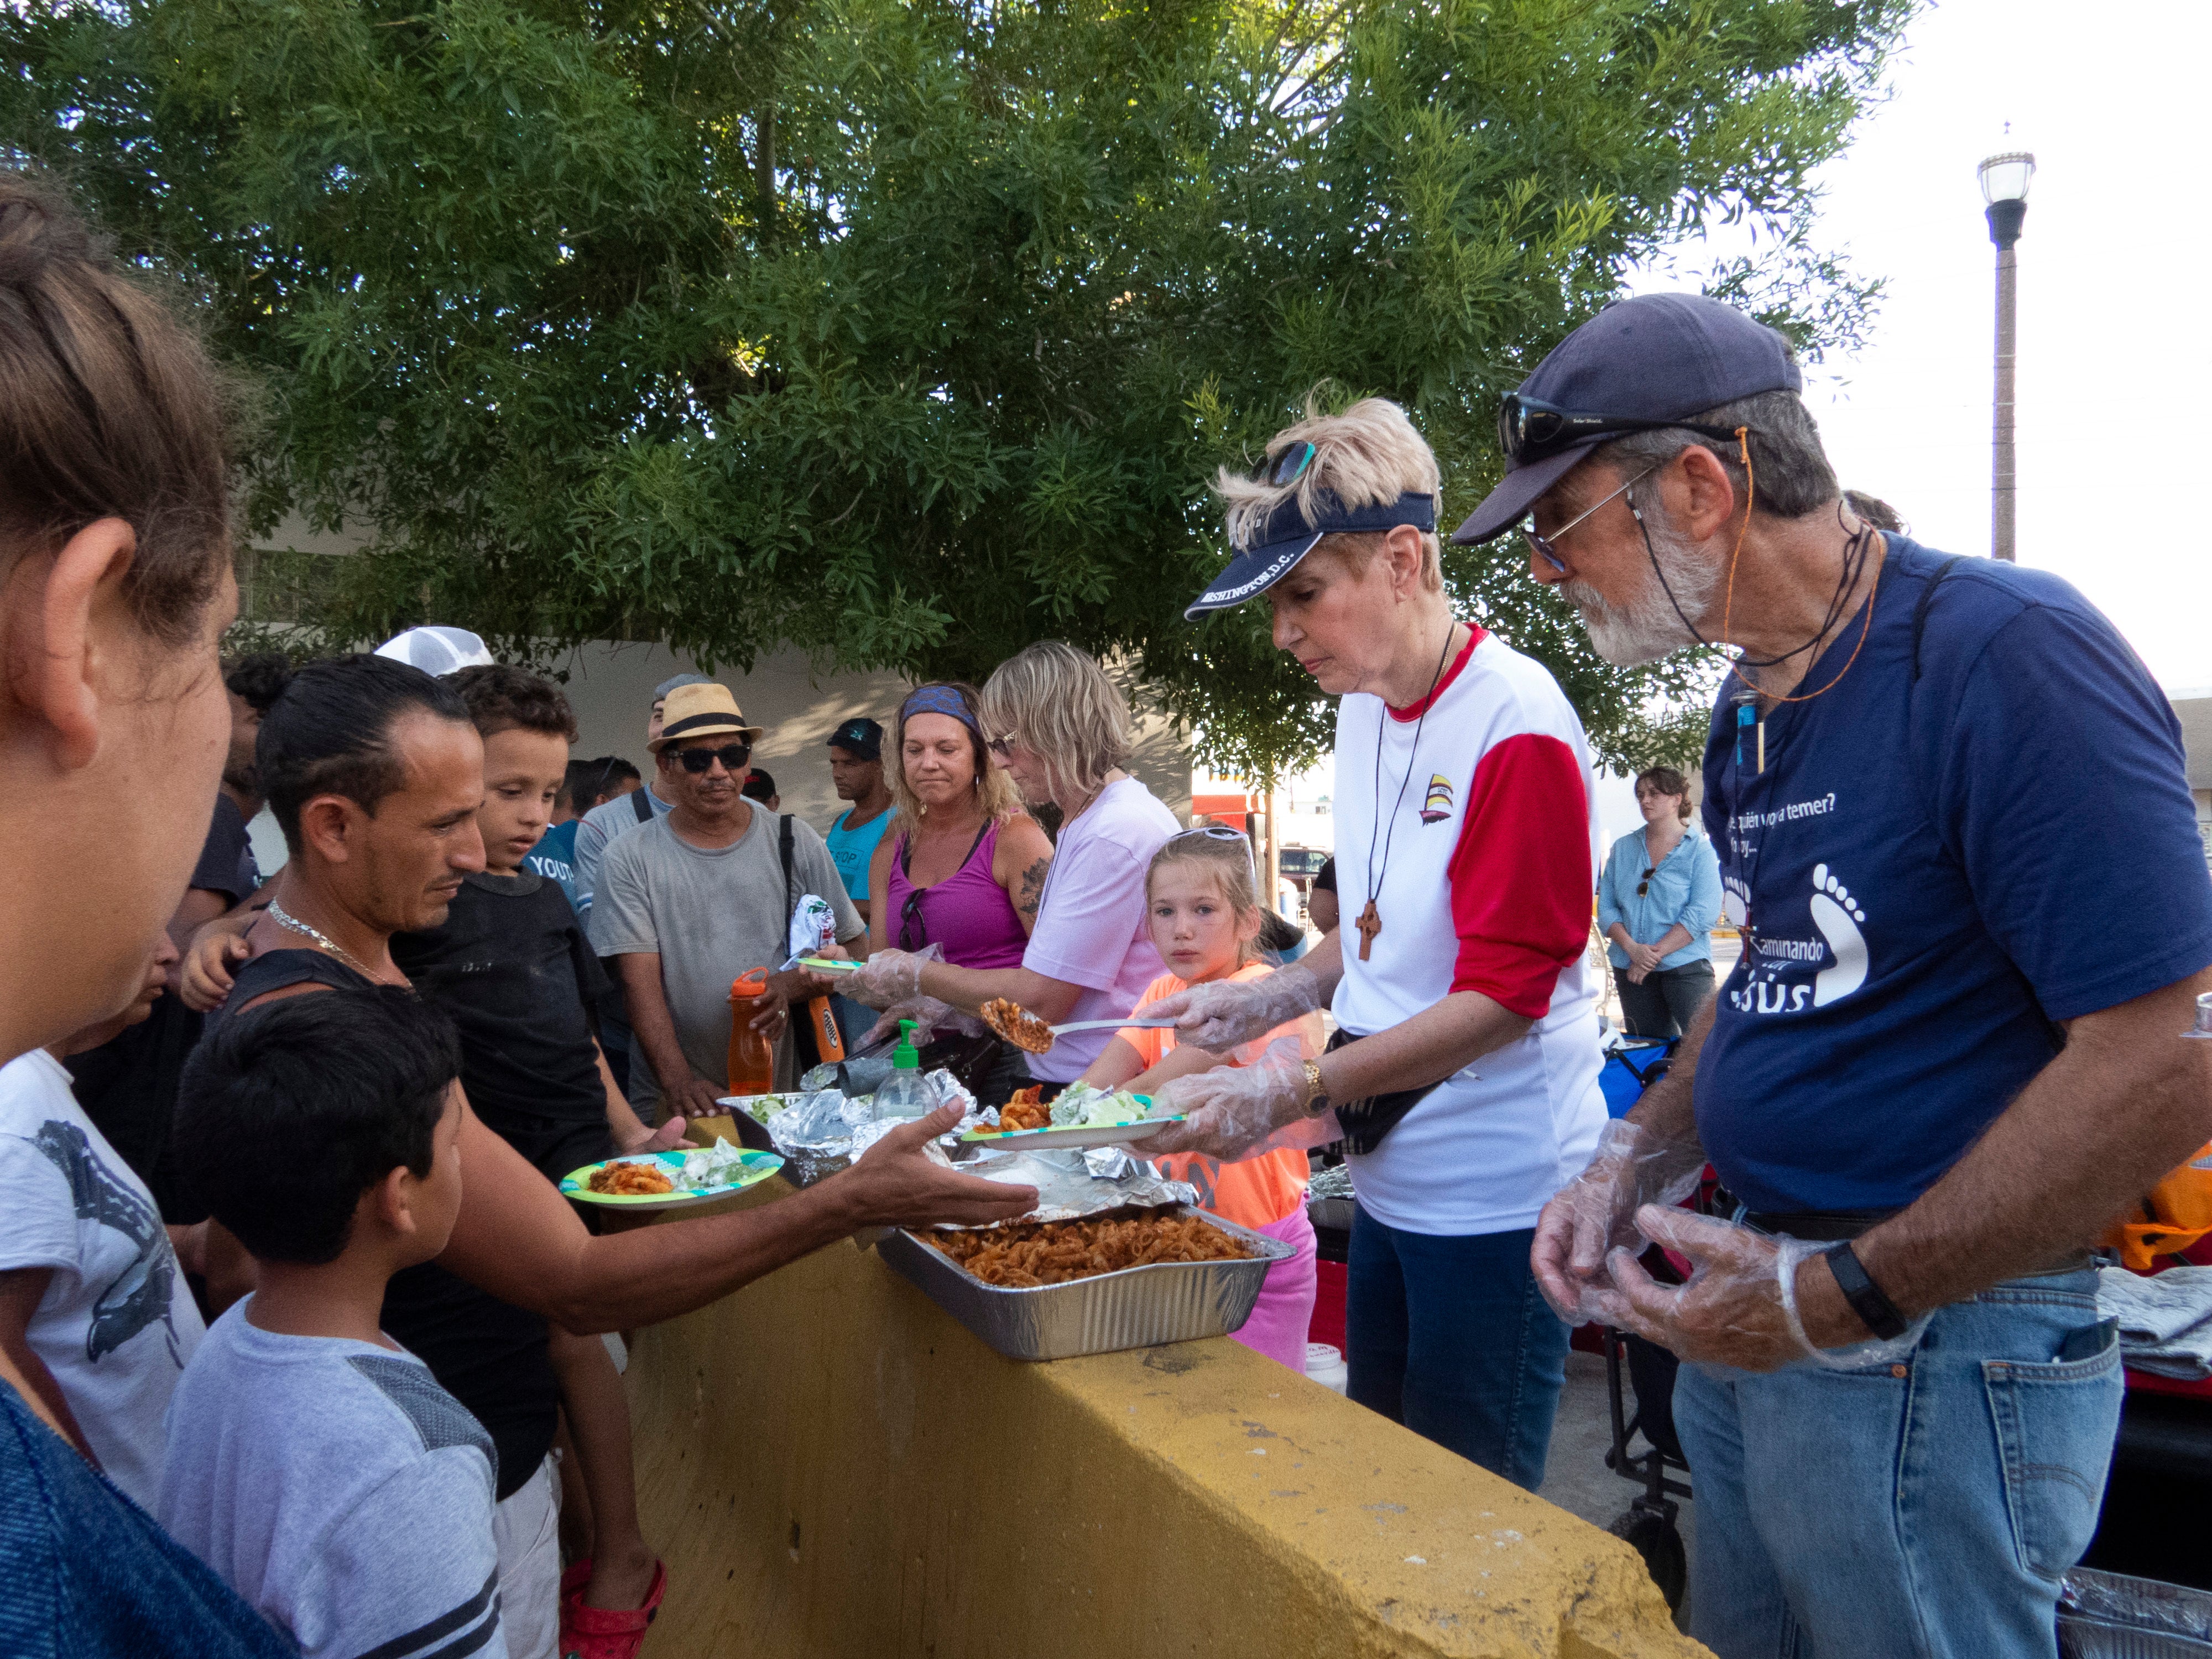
(1646,628)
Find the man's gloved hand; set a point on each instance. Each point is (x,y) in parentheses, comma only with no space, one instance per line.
(1594,1213)
(1232,1108)
(887,977)
(1224,1013)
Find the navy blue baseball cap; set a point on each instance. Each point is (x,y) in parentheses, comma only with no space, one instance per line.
(1653,361)
(860,736)
(1289,535)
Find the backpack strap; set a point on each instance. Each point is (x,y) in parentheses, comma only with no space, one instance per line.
(783,852)
(641,806)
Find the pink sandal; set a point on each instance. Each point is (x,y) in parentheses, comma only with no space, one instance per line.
(589,1633)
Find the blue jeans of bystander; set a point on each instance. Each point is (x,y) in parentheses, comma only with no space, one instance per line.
(1919,1510)
(1451,1337)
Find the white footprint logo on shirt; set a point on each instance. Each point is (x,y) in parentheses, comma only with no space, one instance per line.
(1736,901)
(1836,913)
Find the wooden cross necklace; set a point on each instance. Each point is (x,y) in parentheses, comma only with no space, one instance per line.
(1371,918)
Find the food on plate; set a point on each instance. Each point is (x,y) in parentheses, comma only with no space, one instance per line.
(630,1181)
(1017,1025)
(1025,1110)
(1081,1107)
(718,1165)
(1031,1253)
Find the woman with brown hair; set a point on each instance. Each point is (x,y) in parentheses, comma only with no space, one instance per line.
(961,865)
(115,553)
(1656,904)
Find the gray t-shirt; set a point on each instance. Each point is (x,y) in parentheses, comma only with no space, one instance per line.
(339,1490)
(710,915)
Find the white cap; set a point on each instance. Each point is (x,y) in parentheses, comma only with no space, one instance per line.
(436,650)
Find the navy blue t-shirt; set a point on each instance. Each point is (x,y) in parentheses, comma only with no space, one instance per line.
(1936,872)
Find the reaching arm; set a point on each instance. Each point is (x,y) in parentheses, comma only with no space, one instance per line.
(199,906)
(518,1239)
(1050,999)
(1116,1064)
(2125,1102)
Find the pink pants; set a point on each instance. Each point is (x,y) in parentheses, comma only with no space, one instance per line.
(1284,1312)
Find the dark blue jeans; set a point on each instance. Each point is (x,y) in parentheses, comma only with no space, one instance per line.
(1451,1337)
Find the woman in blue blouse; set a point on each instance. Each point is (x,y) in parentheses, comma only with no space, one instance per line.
(1656,904)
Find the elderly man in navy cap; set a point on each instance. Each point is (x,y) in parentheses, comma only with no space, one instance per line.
(1951,1053)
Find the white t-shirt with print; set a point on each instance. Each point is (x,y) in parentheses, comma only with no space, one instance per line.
(117,1321)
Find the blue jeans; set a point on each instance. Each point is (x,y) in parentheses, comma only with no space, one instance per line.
(1916,1511)
(1449,1336)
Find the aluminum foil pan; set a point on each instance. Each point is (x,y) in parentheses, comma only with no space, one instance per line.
(1136,1308)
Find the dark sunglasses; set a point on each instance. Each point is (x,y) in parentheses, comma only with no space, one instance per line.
(1529,429)
(734,756)
(1286,468)
(914,926)
(1645,885)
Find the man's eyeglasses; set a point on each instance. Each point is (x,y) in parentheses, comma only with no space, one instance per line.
(1529,429)
(1548,545)
(1286,468)
(734,756)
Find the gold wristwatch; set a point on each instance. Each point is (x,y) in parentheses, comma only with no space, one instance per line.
(1316,1090)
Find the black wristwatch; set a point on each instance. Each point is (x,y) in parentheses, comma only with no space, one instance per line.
(1875,1310)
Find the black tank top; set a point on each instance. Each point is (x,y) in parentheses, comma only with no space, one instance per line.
(489,1354)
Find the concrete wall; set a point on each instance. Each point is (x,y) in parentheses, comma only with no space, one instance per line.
(831,1466)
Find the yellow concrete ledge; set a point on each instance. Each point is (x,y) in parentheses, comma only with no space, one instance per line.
(831,1466)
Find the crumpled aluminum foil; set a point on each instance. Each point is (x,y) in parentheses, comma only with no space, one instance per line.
(826,1131)
(1067,1188)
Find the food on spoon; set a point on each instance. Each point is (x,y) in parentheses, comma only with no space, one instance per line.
(1030,1252)
(630,1181)
(1017,1025)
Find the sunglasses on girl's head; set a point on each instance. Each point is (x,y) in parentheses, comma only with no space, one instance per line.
(1529,429)
(734,756)
(1211,832)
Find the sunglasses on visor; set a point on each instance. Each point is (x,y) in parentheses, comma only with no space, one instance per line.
(1286,468)
(1529,429)
(734,756)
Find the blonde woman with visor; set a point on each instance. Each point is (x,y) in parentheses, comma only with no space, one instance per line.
(1061,728)
(1464,1072)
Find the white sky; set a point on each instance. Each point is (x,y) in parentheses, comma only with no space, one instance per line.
(2114,361)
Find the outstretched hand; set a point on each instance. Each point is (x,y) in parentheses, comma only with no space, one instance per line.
(895,1183)
(206,974)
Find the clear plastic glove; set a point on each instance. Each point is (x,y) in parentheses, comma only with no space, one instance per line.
(932,1018)
(1594,1213)
(1739,1307)
(889,976)
(204,977)
(1232,1108)
(1224,1013)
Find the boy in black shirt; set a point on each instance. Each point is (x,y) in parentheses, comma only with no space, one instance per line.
(513,969)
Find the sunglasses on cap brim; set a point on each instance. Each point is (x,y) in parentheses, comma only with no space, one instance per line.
(1530,430)
(734,756)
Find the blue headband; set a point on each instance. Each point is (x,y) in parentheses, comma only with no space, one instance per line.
(939,700)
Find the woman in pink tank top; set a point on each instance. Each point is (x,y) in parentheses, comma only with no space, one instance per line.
(962,864)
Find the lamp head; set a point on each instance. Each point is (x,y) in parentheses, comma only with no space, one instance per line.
(2005,179)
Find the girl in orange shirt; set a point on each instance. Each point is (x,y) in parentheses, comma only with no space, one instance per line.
(1205,917)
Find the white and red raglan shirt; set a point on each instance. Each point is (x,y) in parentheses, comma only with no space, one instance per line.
(1486,886)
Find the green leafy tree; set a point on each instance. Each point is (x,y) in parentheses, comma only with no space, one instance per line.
(908,332)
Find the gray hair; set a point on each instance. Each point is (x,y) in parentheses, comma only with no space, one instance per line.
(1788,466)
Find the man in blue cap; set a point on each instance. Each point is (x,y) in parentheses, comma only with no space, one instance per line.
(1951,1054)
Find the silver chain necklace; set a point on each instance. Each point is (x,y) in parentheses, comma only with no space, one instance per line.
(283,918)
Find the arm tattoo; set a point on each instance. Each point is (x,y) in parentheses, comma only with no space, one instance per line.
(1032,888)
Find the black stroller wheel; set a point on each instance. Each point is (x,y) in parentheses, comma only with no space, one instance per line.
(1654,1537)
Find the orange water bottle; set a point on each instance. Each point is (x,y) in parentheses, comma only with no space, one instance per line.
(752,1057)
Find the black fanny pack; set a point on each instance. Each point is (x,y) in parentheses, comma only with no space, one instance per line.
(1367,1120)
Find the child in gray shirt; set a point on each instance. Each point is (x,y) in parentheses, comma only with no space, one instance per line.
(312,1461)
